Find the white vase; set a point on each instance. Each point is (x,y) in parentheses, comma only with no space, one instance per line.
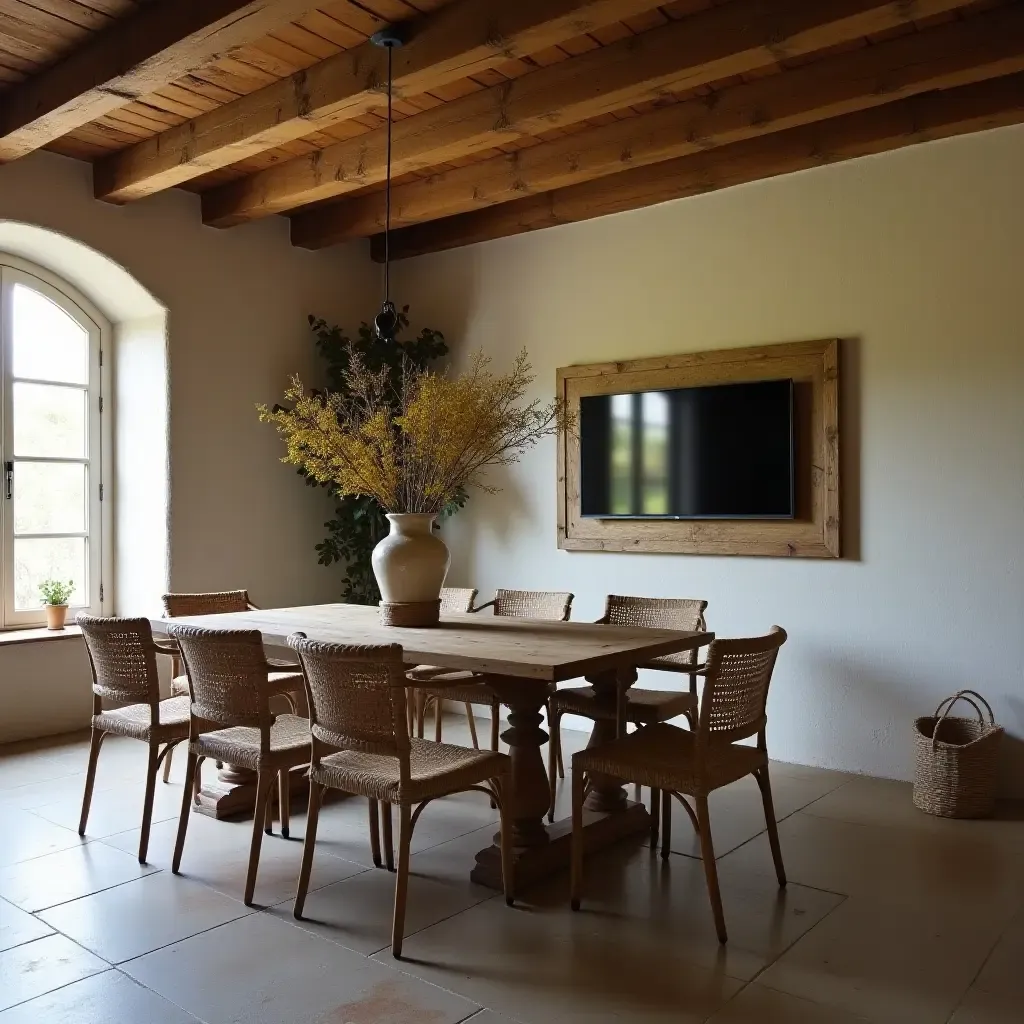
(411,562)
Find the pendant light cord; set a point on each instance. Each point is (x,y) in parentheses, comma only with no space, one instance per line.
(387,215)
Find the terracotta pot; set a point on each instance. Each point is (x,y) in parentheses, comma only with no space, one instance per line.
(56,615)
(411,562)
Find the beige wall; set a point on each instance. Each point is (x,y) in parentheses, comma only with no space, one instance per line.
(237,303)
(917,259)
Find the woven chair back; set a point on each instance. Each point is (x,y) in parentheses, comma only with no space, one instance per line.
(739,673)
(123,659)
(227,674)
(220,603)
(686,614)
(533,604)
(457,599)
(356,696)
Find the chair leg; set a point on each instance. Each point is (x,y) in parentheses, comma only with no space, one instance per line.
(95,742)
(655,817)
(268,810)
(167,765)
(666,823)
(410,711)
(508,865)
(316,793)
(707,852)
(197,785)
(421,711)
(284,783)
(374,832)
(472,725)
(764,784)
(438,710)
(495,725)
(402,882)
(264,795)
(576,877)
(186,810)
(389,842)
(552,769)
(152,767)
(556,739)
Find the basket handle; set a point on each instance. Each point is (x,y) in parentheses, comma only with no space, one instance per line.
(947,705)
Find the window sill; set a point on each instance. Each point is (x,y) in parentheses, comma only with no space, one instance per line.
(38,635)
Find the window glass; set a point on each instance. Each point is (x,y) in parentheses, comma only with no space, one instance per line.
(38,559)
(49,497)
(49,421)
(47,343)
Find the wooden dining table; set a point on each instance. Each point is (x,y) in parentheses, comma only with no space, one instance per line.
(522,660)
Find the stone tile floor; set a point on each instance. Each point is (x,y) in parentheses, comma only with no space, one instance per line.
(890,916)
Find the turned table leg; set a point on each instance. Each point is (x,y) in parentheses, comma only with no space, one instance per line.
(607,794)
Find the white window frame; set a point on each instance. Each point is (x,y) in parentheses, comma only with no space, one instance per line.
(98,531)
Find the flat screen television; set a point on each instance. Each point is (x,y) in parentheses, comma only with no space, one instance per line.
(717,452)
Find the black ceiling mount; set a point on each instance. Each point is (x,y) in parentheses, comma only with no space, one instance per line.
(390,38)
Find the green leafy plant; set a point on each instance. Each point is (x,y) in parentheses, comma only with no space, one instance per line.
(56,592)
(359,522)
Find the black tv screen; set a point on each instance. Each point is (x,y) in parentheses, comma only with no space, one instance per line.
(720,452)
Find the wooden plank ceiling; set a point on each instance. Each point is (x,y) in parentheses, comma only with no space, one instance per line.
(511,115)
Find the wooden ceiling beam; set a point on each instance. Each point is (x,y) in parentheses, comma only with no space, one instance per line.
(456,41)
(922,118)
(131,58)
(730,39)
(950,55)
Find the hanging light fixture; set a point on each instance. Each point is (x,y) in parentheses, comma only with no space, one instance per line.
(385,323)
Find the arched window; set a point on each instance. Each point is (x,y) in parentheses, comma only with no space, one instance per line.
(51,437)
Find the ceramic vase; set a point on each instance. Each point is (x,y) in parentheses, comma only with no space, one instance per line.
(410,565)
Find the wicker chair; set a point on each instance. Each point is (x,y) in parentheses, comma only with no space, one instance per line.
(361,745)
(221,603)
(231,686)
(471,688)
(644,707)
(453,599)
(679,761)
(122,654)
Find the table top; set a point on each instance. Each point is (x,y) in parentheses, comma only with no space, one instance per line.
(499,645)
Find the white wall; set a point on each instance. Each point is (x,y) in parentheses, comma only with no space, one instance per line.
(237,303)
(916,259)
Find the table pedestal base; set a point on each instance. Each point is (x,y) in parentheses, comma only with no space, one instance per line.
(533,863)
(231,792)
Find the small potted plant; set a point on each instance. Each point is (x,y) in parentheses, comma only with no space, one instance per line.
(55,597)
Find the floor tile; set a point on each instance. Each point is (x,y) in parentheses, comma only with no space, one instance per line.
(997,994)
(25,835)
(280,973)
(59,877)
(108,998)
(759,1005)
(113,809)
(37,967)
(890,962)
(217,855)
(140,916)
(357,912)
(28,769)
(17,927)
(907,863)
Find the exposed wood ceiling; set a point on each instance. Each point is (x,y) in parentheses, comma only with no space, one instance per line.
(512,115)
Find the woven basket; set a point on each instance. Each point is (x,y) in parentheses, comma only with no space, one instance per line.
(410,613)
(956,760)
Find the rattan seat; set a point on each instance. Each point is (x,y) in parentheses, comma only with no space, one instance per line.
(240,745)
(678,762)
(434,768)
(643,707)
(122,656)
(471,688)
(361,744)
(231,685)
(136,721)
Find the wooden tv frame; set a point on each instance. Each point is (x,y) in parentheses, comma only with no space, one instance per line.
(813,533)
